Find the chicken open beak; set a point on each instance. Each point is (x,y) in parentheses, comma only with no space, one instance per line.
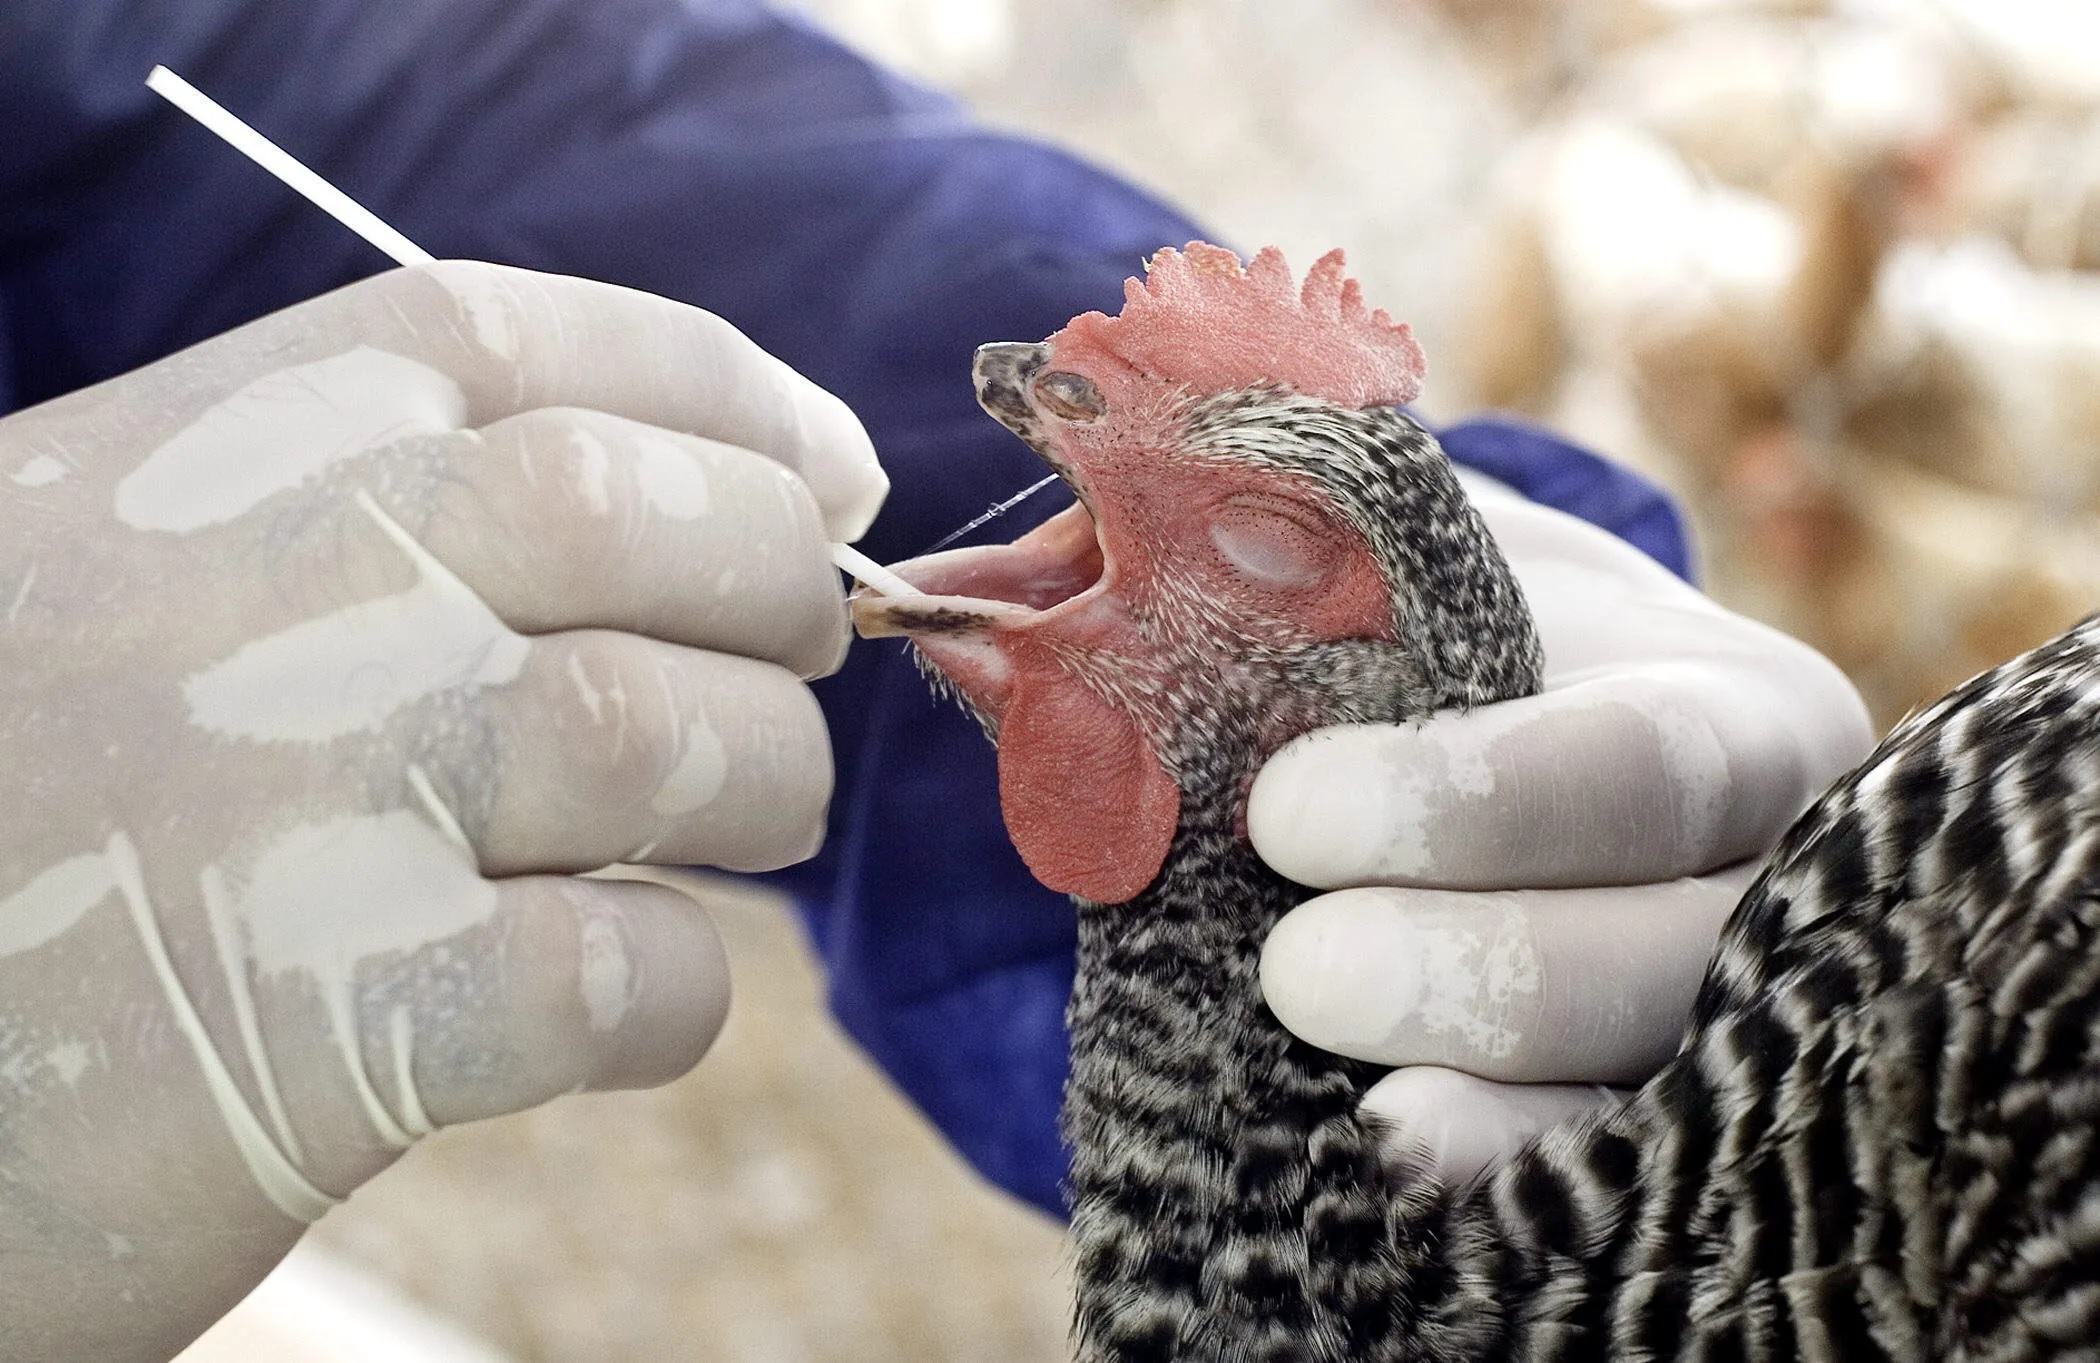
(991,587)
(1017,586)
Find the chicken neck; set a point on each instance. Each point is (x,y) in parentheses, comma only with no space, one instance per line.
(1228,1202)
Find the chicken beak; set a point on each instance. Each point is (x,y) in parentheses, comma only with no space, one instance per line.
(1002,371)
(970,603)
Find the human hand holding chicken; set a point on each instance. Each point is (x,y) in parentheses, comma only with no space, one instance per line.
(329,649)
(1535,888)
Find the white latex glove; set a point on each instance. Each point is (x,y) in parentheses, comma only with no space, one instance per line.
(1672,745)
(329,650)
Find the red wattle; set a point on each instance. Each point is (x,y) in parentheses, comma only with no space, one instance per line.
(1085,798)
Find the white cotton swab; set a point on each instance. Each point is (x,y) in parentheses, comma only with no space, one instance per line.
(282,164)
(856,564)
(361,220)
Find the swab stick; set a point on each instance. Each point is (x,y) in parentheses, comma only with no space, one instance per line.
(857,564)
(361,220)
(282,164)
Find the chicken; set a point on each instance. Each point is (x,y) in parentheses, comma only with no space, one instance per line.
(1878,1138)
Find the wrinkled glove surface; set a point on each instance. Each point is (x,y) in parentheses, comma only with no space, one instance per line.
(329,650)
(1539,884)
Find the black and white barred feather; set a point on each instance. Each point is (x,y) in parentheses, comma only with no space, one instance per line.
(1878,1140)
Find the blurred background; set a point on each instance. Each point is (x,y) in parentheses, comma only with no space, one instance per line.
(1829,269)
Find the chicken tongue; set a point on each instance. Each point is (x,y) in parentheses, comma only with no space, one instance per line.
(885,617)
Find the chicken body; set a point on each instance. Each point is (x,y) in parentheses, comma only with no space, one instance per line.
(1878,1140)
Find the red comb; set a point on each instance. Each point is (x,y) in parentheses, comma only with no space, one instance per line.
(1199,319)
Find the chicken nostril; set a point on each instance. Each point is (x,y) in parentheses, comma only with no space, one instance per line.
(1071,397)
(1008,364)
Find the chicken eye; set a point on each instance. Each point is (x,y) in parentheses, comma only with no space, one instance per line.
(1069,396)
(1272,547)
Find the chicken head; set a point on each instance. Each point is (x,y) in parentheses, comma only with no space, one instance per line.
(1263,544)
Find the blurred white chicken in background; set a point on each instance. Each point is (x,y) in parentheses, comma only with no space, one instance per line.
(1823,269)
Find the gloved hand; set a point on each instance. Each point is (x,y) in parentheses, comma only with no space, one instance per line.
(329,650)
(1672,745)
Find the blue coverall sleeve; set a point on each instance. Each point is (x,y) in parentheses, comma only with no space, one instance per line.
(862,228)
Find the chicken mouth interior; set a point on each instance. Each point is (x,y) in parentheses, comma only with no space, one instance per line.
(1010,586)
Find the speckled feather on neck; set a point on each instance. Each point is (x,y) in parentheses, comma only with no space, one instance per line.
(1226,1200)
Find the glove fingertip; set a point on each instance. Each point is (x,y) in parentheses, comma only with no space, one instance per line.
(1320,966)
(840,465)
(1316,818)
(657,1006)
